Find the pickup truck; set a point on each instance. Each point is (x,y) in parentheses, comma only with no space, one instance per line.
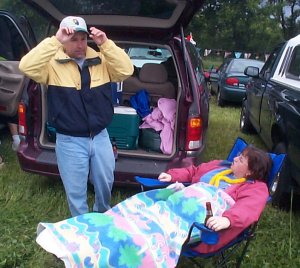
(271,108)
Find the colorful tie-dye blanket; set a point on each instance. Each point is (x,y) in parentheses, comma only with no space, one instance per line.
(146,230)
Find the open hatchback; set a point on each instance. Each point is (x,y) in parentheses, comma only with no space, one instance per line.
(167,67)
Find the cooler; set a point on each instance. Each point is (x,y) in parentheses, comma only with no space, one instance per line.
(124,127)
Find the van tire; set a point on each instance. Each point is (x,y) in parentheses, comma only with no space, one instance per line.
(245,124)
(220,101)
(280,193)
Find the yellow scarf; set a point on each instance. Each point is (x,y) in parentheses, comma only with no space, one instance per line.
(222,176)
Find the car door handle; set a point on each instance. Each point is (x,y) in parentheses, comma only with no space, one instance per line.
(289,98)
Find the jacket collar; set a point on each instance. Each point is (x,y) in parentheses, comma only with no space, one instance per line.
(92,57)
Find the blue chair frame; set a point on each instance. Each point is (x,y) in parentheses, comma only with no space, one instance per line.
(244,239)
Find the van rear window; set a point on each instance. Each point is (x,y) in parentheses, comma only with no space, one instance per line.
(161,9)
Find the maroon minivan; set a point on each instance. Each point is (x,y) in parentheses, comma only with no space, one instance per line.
(166,67)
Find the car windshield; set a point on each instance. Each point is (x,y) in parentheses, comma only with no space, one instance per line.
(240,65)
(142,55)
(153,9)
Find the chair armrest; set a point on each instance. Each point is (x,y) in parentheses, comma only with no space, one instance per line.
(151,182)
(154,183)
(207,236)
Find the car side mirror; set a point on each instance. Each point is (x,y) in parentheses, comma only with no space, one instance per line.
(251,71)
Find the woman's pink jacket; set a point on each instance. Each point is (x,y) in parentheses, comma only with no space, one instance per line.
(250,200)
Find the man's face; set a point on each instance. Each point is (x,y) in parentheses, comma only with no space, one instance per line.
(76,46)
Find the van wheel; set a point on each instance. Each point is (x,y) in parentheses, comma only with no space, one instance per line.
(280,186)
(220,101)
(245,124)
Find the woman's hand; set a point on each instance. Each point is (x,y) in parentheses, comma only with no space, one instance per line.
(165,177)
(218,223)
(177,186)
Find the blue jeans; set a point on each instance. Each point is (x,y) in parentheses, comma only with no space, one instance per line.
(80,158)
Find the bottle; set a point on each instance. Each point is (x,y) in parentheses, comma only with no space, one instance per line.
(115,148)
(209,212)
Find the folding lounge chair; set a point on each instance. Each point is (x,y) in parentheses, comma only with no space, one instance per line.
(211,237)
(151,183)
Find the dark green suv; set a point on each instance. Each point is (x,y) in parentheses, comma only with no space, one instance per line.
(272,109)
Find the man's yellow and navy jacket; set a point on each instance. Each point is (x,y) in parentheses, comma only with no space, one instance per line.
(79,101)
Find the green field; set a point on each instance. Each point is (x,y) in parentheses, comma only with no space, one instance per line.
(26,199)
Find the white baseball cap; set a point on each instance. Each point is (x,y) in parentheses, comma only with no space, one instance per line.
(76,23)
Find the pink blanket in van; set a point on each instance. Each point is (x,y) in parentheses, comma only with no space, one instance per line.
(162,119)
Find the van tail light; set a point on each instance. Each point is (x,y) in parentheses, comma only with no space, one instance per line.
(194,133)
(232,81)
(22,119)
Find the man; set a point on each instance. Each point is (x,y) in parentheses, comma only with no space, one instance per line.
(80,106)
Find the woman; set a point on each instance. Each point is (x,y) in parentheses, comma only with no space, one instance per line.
(149,228)
(247,176)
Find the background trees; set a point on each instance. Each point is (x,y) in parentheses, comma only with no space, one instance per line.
(248,25)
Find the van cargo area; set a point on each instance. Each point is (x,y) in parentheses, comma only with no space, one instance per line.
(159,80)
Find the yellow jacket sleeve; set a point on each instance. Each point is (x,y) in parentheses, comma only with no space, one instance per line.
(35,63)
(118,63)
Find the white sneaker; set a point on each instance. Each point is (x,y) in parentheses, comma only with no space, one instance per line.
(15,146)
(16,142)
(1,162)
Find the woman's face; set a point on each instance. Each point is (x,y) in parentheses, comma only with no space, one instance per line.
(239,166)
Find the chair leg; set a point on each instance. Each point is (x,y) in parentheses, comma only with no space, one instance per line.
(196,263)
(193,261)
(222,260)
(241,257)
(224,257)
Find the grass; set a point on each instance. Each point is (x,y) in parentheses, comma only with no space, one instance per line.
(26,199)
(212,61)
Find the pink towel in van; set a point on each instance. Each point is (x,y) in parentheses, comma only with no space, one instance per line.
(162,119)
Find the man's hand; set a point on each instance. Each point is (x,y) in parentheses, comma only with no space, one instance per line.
(98,36)
(165,177)
(64,34)
(218,223)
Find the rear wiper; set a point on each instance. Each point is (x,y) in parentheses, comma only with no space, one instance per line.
(139,57)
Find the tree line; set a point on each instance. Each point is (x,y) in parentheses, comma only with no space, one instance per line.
(247,25)
(227,25)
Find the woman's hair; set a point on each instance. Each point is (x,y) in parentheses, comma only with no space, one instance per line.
(259,163)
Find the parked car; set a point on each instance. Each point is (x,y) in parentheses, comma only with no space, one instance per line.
(272,109)
(180,77)
(228,82)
